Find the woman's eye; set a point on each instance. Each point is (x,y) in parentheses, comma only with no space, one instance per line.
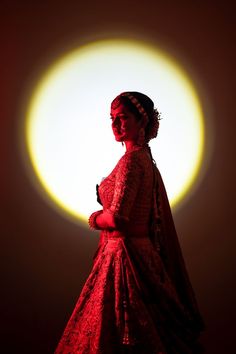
(118,118)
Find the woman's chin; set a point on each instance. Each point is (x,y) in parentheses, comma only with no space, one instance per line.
(119,138)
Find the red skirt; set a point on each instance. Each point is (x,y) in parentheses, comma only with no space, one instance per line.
(129,304)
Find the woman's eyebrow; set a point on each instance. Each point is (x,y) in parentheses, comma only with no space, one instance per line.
(118,115)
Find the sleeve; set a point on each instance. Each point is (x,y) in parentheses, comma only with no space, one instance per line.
(127,183)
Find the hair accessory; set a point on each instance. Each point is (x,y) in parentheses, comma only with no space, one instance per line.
(136,104)
(153,129)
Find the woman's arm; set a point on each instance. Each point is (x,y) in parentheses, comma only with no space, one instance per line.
(128,180)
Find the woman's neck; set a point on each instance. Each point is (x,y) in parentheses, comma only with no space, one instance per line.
(130,145)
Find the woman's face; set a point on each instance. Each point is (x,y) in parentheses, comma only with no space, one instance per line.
(124,124)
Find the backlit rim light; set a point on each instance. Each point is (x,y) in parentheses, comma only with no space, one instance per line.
(100,49)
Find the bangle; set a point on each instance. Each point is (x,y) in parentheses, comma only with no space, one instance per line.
(92,220)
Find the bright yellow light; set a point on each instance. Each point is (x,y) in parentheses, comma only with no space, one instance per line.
(68,133)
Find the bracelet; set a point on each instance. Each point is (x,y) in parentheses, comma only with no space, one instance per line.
(92,220)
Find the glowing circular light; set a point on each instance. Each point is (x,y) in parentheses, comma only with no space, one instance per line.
(68,132)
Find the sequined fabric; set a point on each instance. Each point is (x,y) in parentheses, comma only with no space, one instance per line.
(130,302)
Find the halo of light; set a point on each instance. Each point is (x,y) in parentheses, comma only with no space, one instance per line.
(68,133)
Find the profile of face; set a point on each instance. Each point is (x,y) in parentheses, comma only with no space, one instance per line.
(125,125)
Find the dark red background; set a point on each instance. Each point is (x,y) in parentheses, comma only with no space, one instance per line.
(46,257)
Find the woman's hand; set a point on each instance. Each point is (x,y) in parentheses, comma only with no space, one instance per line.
(102,220)
(106,220)
(92,220)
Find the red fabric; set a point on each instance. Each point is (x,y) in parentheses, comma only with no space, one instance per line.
(136,299)
(172,256)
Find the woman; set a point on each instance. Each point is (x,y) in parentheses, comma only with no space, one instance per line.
(137,298)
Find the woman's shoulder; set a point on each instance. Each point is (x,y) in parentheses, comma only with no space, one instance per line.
(135,157)
(131,155)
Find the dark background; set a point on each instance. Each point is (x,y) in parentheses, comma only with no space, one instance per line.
(45,257)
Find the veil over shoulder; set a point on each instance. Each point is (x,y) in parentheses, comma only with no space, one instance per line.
(167,242)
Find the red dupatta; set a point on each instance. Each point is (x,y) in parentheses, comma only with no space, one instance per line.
(164,237)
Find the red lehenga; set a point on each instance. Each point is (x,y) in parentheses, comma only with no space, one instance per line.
(138,298)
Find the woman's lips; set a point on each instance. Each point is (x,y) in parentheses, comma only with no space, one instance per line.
(118,132)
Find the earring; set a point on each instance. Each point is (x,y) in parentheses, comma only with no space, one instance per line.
(141,137)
